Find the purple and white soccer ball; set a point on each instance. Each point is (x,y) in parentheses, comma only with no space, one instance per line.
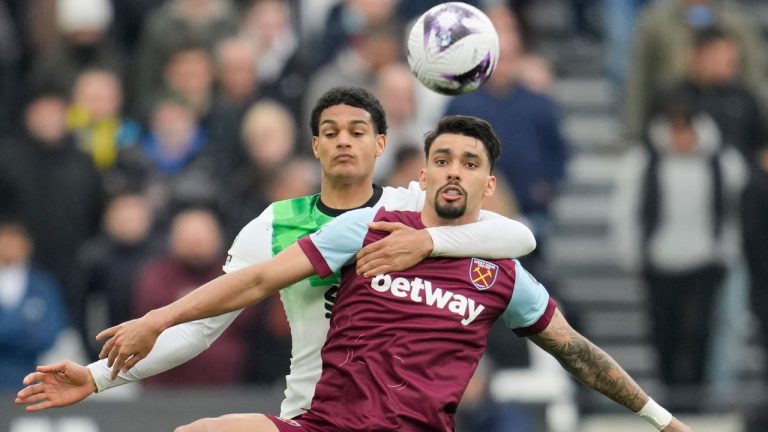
(453,48)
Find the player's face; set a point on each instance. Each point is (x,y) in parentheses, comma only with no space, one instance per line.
(348,144)
(457,177)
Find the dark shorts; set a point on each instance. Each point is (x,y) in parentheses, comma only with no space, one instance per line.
(303,423)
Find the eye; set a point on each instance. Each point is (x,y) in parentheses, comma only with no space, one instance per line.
(441,162)
(358,133)
(471,165)
(329,134)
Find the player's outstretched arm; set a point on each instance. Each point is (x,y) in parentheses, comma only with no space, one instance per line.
(492,237)
(599,371)
(129,342)
(56,385)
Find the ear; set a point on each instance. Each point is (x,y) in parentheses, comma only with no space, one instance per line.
(381,144)
(490,186)
(423,179)
(315,146)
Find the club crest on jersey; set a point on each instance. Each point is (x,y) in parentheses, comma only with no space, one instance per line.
(482,273)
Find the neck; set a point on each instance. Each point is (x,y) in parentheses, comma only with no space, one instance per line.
(345,193)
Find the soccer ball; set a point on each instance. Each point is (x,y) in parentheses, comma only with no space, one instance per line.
(453,48)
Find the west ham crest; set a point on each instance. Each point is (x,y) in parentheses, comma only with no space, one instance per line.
(482,273)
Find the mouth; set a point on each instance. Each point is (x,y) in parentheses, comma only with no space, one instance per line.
(451,192)
(344,157)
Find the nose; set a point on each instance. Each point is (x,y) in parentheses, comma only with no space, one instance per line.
(454,171)
(343,140)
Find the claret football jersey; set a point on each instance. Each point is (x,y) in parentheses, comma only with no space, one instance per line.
(307,303)
(402,346)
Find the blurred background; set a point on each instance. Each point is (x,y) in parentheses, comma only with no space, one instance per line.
(138,137)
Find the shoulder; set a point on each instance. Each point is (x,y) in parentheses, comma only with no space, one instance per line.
(258,226)
(407,217)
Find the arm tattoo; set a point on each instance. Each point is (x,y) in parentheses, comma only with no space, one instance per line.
(591,365)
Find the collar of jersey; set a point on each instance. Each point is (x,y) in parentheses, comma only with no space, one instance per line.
(375,197)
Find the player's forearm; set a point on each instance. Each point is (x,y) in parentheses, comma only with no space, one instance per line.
(174,346)
(591,365)
(489,238)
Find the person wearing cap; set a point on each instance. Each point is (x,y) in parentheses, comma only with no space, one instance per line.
(82,44)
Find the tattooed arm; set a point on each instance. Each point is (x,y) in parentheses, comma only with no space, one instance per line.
(593,366)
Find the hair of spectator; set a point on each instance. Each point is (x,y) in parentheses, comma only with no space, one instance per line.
(708,36)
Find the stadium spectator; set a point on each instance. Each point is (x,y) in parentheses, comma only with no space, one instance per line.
(237,87)
(269,137)
(96,119)
(715,83)
(32,310)
(177,24)
(346,21)
(662,41)
(194,257)
(54,185)
(395,88)
(108,265)
(283,62)
(178,172)
(190,73)
(84,44)
(675,223)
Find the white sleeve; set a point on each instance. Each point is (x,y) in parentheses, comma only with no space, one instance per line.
(492,237)
(175,346)
(183,342)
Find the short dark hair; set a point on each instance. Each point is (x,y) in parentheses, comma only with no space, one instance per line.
(353,96)
(709,35)
(470,126)
(14,221)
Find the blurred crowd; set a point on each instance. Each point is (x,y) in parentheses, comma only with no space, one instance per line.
(138,137)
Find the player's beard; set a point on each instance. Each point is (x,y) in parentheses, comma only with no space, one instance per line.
(452,210)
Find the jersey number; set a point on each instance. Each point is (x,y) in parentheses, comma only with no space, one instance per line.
(330,299)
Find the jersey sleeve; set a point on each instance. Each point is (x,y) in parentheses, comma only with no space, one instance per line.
(531,308)
(253,244)
(334,245)
(492,237)
(174,346)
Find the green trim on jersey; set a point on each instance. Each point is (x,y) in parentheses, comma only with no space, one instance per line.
(296,218)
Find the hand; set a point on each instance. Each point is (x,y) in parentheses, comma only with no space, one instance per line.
(676,426)
(127,343)
(403,248)
(56,385)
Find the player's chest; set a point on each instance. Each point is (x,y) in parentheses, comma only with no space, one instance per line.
(455,293)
